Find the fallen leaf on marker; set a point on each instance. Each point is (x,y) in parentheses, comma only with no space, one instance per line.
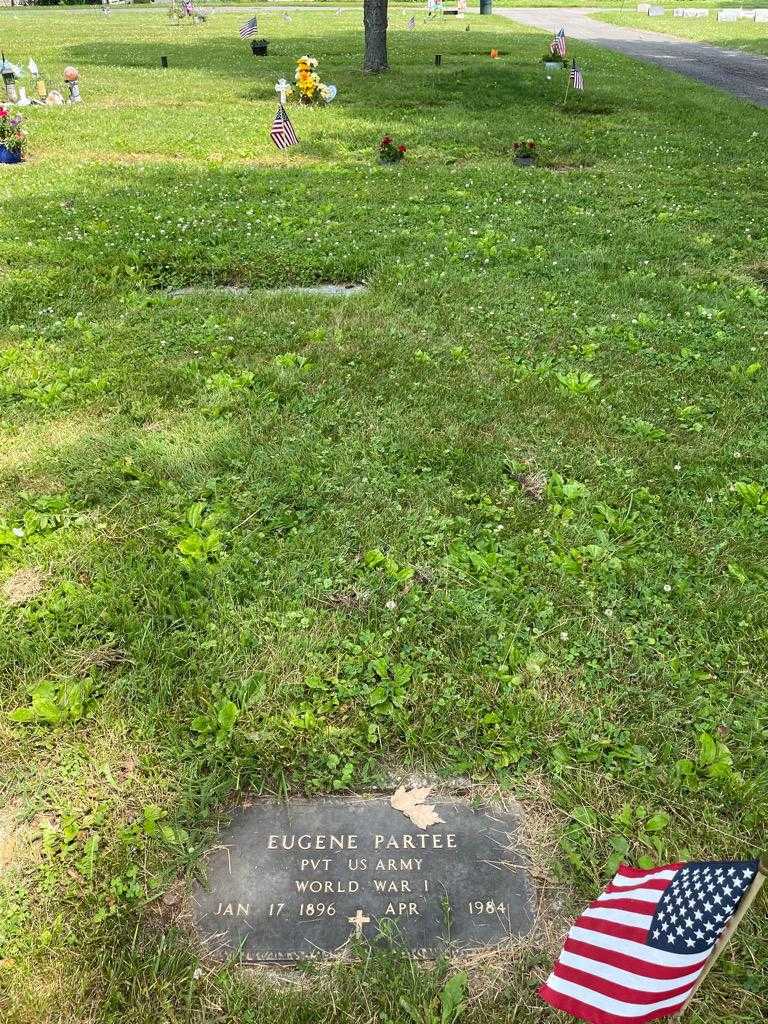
(411,803)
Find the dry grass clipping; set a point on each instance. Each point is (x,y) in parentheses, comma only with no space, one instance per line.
(23,586)
(105,657)
(16,848)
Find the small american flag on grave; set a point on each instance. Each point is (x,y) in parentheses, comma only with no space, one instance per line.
(639,951)
(250,28)
(558,44)
(282,132)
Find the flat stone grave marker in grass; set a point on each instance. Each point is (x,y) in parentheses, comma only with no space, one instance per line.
(332,290)
(656,12)
(761,15)
(728,15)
(297,880)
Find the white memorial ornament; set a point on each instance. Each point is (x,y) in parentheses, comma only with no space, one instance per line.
(283,88)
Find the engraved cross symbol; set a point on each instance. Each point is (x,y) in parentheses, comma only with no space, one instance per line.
(358,921)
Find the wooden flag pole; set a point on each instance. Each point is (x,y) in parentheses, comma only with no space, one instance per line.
(746,902)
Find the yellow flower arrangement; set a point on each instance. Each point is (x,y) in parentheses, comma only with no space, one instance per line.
(311,89)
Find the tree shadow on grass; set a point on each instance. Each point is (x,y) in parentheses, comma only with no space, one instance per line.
(467,79)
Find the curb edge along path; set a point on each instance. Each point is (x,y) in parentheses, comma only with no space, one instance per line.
(741,74)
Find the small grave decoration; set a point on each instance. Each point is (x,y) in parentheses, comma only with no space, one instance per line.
(525,153)
(558,46)
(494,54)
(389,152)
(311,89)
(178,10)
(72,80)
(13,138)
(285,89)
(259,47)
(41,89)
(181,9)
(557,58)
(575,80)
(553,61)
(7,66)
(10,73)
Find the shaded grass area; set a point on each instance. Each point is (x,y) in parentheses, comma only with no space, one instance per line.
(528,467)
(751,36)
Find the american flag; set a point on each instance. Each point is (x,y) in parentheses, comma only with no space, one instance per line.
(576,79)
(558,43)
(250,28)
(637,952)
(411,23)
(282,133)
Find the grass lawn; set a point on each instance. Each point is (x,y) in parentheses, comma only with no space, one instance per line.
(521,484)
(751,36)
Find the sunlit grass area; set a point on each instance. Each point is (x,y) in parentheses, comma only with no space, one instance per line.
(744,34)
(519,485)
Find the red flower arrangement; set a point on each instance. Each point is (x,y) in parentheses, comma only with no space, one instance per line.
(389,153)
(525,153)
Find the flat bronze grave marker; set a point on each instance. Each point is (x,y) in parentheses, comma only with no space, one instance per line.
(294,881)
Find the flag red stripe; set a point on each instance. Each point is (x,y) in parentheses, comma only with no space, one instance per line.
(629,872)
(628,963)
(594,1014)
(618,931)
(635,906)
(614,990)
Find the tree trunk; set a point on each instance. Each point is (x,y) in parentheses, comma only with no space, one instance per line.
(375,22)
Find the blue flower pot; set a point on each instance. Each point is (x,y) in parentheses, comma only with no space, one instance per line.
(9,156)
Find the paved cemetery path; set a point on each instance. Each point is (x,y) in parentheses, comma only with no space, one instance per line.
(742,74)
